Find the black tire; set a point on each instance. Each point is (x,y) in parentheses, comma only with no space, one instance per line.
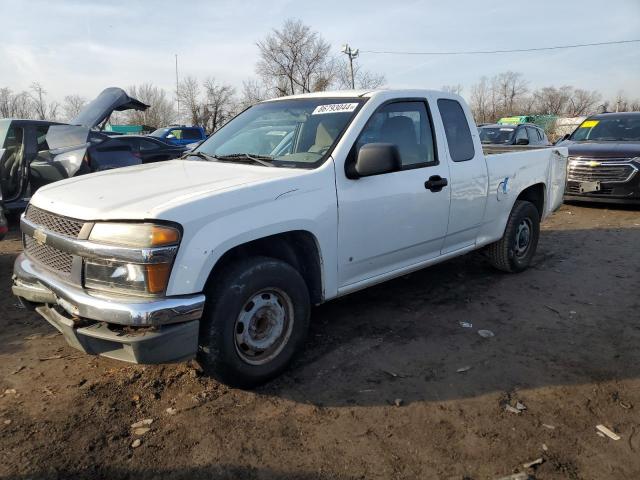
(228,348)
(507,254)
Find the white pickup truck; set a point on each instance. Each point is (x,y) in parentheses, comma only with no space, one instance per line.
(296,201)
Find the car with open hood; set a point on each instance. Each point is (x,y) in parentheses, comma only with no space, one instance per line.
(604,159)
(34,153)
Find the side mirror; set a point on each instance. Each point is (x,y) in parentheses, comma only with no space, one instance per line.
(376,159)
(522,141)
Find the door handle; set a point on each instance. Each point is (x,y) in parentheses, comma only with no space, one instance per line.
(436,183)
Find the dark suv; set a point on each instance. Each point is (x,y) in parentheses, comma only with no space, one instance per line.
(507,134)
(604,159)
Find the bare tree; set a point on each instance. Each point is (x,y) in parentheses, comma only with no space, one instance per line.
(42,109)
(480,101)
(552,100)
(510,87)
(160,111)
(364,79)
(220,105)
(72,105)
(583,102)
(253,92)
(295,59)
(15,105)
(189,95)
(456,89)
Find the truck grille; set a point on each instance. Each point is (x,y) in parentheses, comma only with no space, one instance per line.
(591,171)
(55,223)
(50,257)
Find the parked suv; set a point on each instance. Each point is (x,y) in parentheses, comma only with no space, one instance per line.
(504,134)
(604,159)
(180,134)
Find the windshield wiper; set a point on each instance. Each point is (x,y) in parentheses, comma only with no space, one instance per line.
(264,160)
(202,155)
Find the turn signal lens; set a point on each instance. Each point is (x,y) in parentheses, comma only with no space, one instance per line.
(158,277)
(135,234)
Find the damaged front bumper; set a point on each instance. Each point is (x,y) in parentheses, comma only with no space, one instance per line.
(136,330)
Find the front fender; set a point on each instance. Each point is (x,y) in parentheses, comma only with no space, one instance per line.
(307,208)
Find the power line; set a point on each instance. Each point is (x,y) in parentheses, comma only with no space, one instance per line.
(488,52)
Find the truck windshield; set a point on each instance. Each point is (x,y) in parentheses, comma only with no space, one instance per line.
(291,133)
(496,135)
(615,129)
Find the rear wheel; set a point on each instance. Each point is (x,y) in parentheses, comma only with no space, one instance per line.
(515,250)
(256,319)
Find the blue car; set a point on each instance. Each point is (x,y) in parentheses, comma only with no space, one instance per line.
(179,134)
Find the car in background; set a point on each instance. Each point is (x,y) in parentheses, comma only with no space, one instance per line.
(604,159)
(180,134)
(34,153)
(505,134)
(150,149)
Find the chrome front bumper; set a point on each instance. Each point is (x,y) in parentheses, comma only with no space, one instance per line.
(87,321)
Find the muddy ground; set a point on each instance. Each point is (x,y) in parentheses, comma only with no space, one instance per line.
(566,345)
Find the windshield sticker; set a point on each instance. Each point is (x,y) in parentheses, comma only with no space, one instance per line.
(334,108)
(506,129)
(589,123)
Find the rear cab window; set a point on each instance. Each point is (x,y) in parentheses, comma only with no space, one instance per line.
(456,128)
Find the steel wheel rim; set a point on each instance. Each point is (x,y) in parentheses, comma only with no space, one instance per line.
(263,326)
(523,237)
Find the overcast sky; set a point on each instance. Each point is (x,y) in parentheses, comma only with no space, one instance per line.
(84,46)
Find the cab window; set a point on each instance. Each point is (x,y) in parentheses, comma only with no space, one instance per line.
(406,125)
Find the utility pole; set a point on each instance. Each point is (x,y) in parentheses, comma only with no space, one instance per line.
(346,49)
(177,91)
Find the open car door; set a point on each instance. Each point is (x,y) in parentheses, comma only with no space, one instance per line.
(68,143)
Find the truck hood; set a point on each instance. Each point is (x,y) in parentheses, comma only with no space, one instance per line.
(149,191)
(101,107)
(603,149)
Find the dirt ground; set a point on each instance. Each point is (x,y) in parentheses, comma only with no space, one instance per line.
(377,394)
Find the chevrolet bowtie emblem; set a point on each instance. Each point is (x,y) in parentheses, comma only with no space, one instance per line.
(594,164)
(40,237)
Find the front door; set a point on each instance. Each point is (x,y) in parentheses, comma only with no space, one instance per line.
(390,221)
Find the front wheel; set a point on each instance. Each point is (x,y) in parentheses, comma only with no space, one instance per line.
(256,319)
(515,250)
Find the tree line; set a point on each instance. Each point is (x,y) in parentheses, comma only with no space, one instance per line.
(295,59)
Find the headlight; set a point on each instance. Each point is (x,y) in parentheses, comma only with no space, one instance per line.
(128,278)
(142,235)
(131,278)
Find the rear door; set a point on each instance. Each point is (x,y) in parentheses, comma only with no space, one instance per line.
(467,177)
(391,221)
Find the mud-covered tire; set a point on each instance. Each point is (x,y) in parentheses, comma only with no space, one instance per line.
(510,253)
(255,303)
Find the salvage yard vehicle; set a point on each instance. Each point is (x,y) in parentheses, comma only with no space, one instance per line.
(34,153)
(150,149)
(180,134)
(522,134)
(294,202)
(604,159)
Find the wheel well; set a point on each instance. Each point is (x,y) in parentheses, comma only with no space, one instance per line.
(297,248)
(535,195)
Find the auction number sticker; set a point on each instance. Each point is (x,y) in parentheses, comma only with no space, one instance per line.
(334,108)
